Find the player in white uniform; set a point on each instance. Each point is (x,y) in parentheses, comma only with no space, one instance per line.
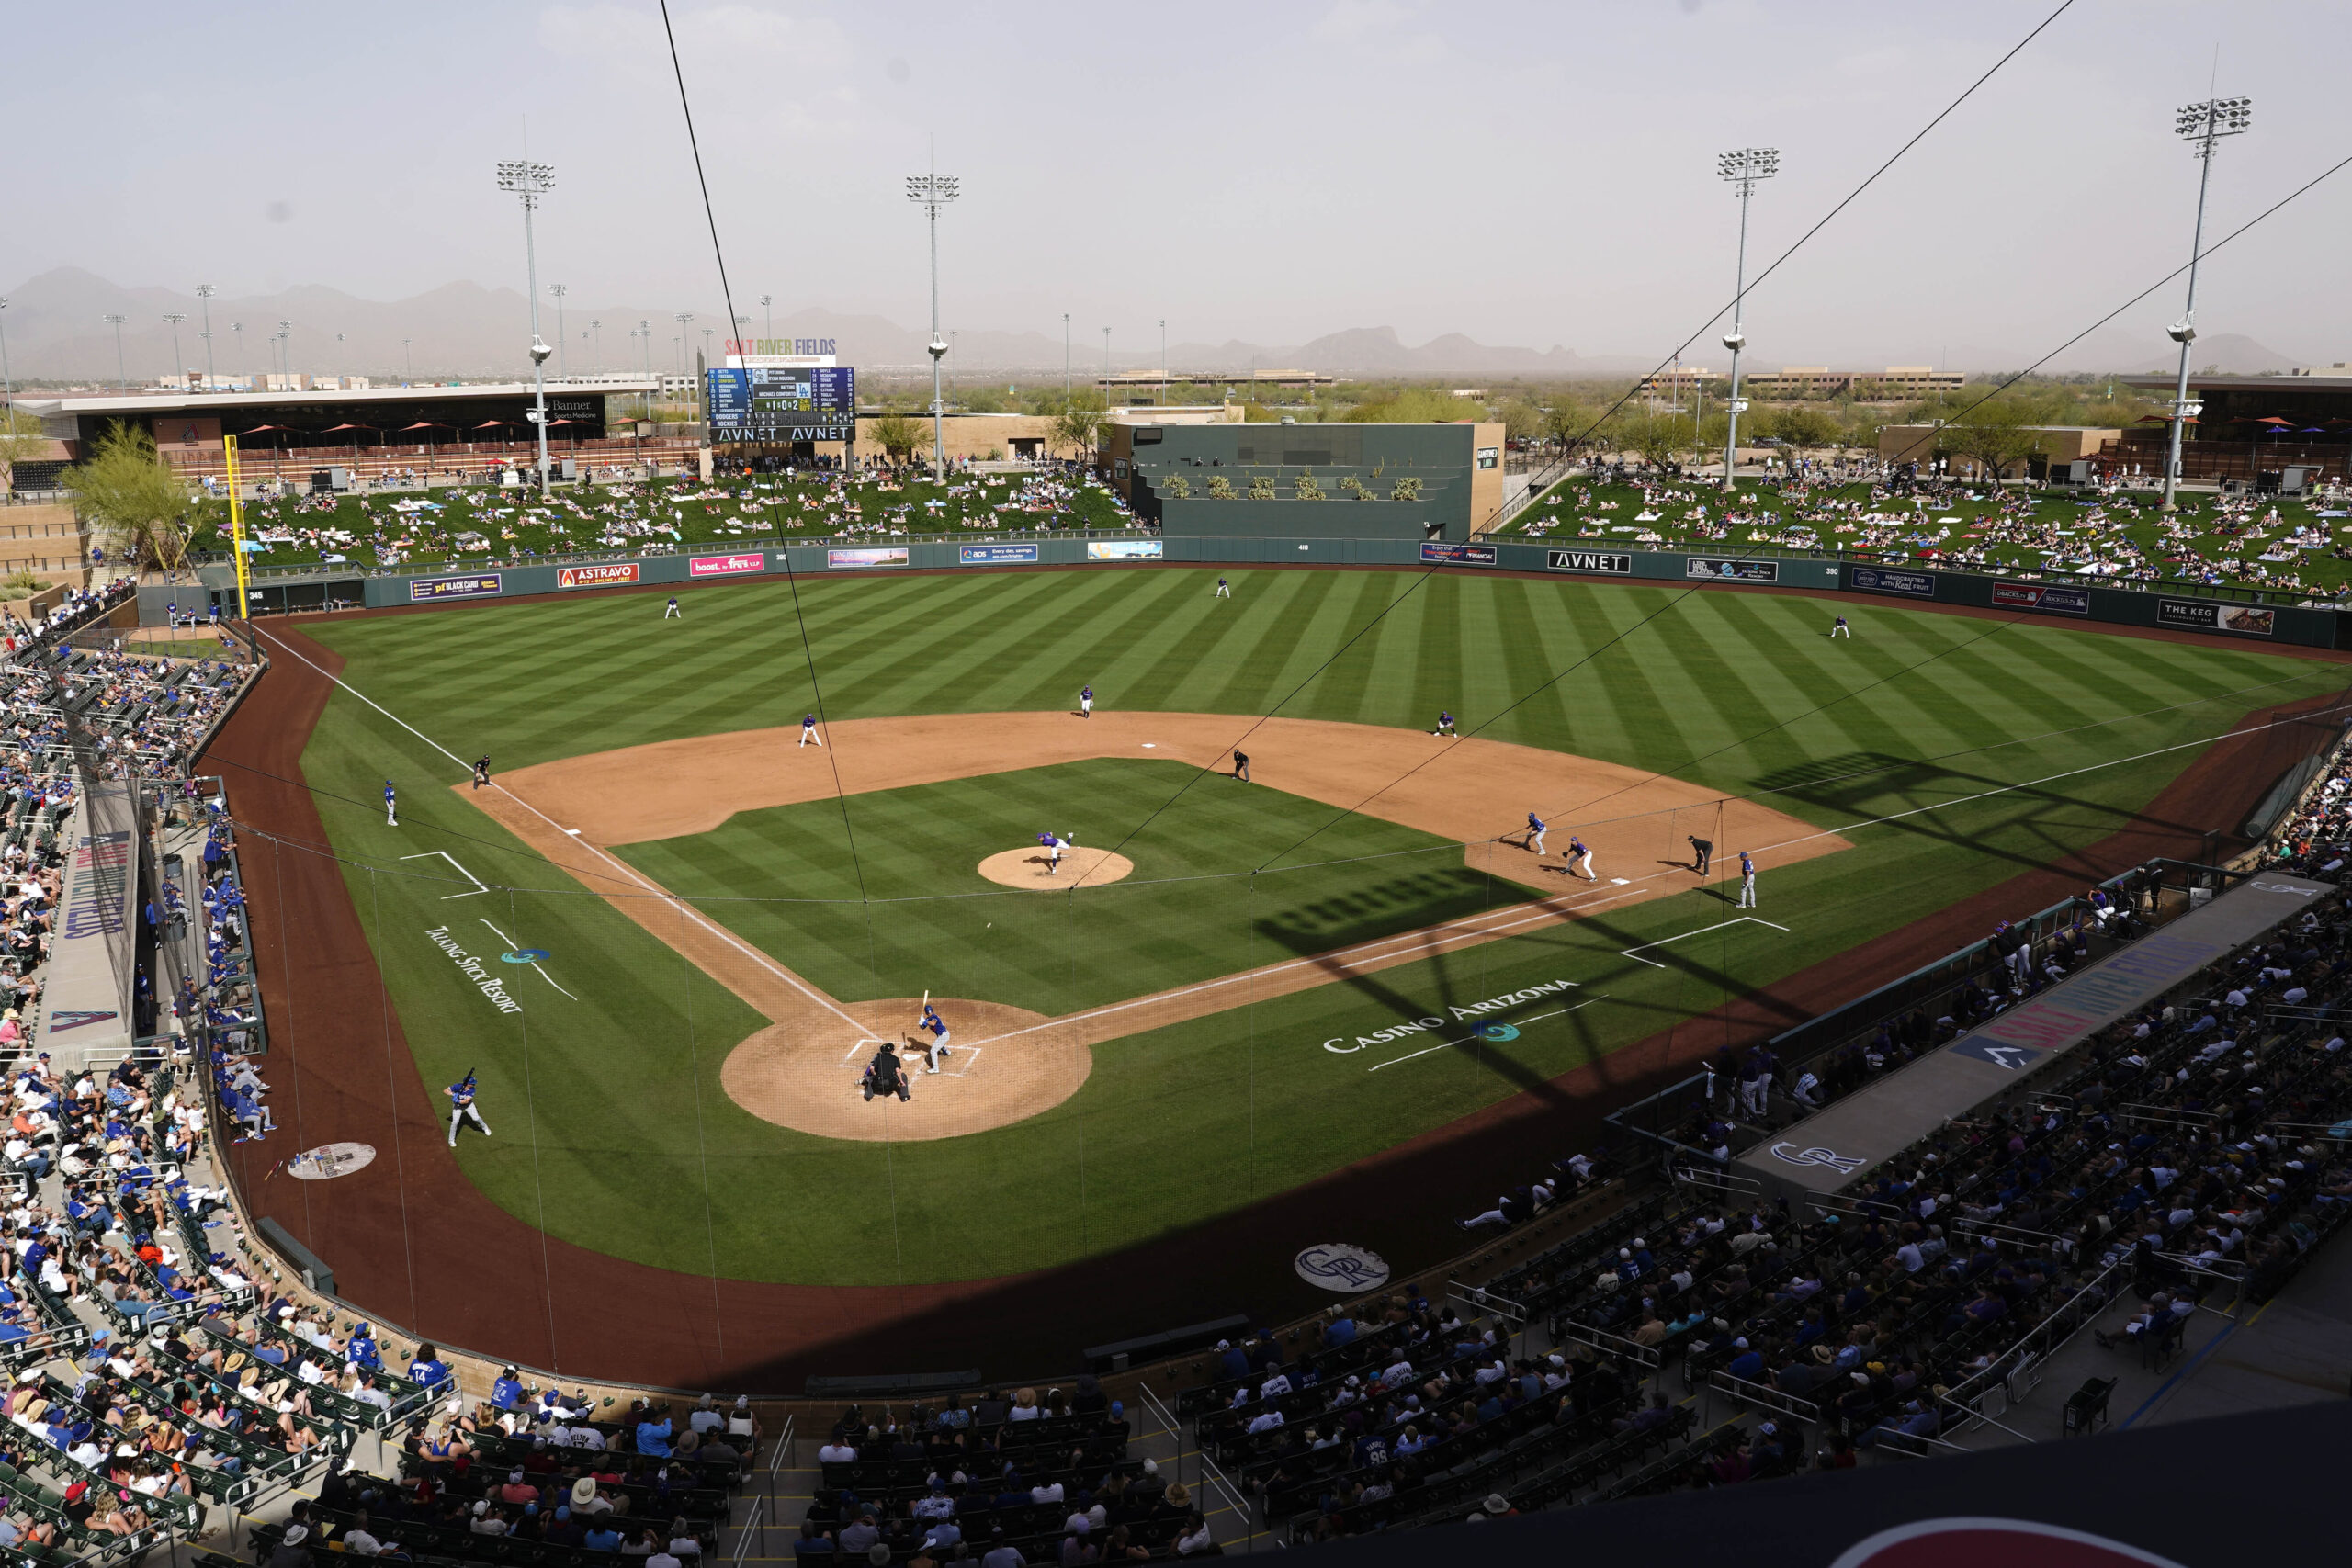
(808,732)
(1055,843)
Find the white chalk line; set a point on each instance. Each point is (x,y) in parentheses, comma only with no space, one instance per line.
(514,946)
(628,871)
(1449,1044)
(480,886)
(1636,951)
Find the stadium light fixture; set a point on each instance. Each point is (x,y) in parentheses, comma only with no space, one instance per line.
(7,378)
(1745,168)
(177,319)
(564,358)
(205,291)
(122,377)
(531,181)
(2203,125)
(931,192)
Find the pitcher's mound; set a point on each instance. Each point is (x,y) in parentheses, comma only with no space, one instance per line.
(1080,867)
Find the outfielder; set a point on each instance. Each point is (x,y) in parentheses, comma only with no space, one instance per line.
(673,613)
(1580,860)
(1746,880)
(1086,702)
(1842,629)
(1224,589)
(461,1106)
(937,1026)
(391,805)
(808,732)
(1536,829)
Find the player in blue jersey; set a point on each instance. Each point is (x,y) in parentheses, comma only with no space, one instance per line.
(1536,829)
(937,1026)
(461,1106)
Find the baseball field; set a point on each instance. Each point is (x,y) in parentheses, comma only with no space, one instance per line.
(668,936)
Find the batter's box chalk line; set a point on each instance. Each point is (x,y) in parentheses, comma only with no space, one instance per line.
(1636,953)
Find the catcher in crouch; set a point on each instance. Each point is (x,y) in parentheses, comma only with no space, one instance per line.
(884,1075)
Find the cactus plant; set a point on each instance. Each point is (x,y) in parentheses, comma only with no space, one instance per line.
(1408,488)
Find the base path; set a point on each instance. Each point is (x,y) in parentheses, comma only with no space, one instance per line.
(572,810)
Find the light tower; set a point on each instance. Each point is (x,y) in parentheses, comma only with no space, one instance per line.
(596,349)
(531,181)
(931,192)
(7,378)
(2203,125)
(767,310)
(177,319)
(205,291)
(121,376)
(1745,168)
(563,358)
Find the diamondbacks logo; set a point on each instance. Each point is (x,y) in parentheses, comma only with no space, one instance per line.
(2013,1543)
(1336,1266)
(1844,1164)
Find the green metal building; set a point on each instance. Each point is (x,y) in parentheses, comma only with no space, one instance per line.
(1400,481)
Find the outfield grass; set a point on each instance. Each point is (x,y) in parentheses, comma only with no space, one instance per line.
(783,880)
(613,1130)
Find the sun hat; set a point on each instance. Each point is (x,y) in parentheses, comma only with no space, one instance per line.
(583,1491)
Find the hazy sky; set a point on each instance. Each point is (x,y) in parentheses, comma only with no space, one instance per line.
(1528,173)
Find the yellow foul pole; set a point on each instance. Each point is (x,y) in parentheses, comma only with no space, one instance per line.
(236,527)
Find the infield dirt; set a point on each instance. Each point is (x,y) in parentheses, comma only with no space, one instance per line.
(794,1073)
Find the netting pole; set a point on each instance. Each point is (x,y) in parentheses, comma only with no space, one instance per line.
(391,1087)
(539,1191)
(702,1153)
(1249,967)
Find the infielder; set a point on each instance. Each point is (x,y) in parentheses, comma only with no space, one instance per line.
(808,732)
(461,1106)
(1444,724)
(673,613)
(937,1026)
(1842,629)
(1086,702)
(1224,589)
(1746,880)
(1580,859)
(1536,829)
(391,805)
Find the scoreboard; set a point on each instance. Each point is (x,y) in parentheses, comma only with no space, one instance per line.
(795,403)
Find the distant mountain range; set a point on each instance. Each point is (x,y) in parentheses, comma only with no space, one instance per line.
(57,330)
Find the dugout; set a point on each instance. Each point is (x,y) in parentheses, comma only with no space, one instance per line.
(1836,1147)
(1364,482)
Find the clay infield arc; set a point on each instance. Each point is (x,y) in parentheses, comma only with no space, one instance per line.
(800,1071)
(413,1239)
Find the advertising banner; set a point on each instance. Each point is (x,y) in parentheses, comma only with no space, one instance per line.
(1878,580)
(1616,563)
(870,555)
(1458,554)
(726,566)
(605,576)
(1715,569)
(425,590)
(1122,550)
(2212,615)
(995,555)
(2050,601)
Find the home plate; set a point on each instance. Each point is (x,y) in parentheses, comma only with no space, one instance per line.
(1151,745)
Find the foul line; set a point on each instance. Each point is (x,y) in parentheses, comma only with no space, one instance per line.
(1449,1044)
(627,871)
(514,946)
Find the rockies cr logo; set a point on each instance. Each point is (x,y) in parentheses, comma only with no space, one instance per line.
(1338,1267)
(1843,1164)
